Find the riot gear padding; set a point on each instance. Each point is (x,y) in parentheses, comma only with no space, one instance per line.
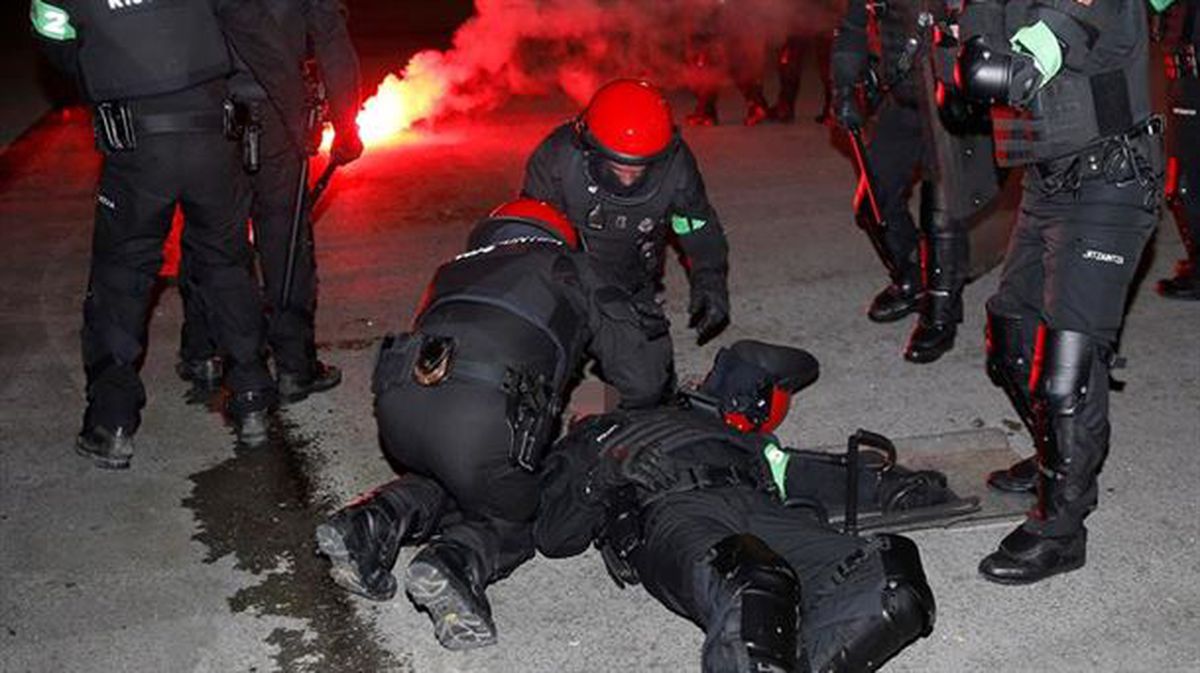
(907,609)
(755,632)
(629,121)
(995,75)
(1009,343)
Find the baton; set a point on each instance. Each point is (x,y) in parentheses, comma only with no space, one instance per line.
(322,183)
(869,219)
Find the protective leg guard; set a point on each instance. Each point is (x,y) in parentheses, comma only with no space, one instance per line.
(944,270)
(888,572)
(753,629)
(1009,360)
(1072,407)
(363,539)
(1185,204)
(443,580)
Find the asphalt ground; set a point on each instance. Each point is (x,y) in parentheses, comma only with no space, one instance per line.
(200,557)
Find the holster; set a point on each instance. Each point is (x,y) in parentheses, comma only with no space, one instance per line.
(243,124)
(115,131)
(532,411)
(621,536)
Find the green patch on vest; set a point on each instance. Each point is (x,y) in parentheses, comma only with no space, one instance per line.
(1039,42)
(51,22)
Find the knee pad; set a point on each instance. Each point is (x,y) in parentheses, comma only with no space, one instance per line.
(1067,359)
(904,607)
(762,614)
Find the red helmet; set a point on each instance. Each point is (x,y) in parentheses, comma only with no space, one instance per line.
(516,217)
(628,120)
(753,382)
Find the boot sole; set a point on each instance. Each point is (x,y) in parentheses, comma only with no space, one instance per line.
(1019,581)
(343,571)
(455,623)
(103,462)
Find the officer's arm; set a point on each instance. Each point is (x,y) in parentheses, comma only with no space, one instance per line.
(694,221)
(326,24)
(256,36)
(542,181)
(567,520)
(55,35)
(848,56)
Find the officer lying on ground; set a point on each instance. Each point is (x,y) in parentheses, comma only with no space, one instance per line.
(468,402)
(718,525)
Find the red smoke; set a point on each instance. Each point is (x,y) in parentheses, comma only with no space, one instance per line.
(536,47)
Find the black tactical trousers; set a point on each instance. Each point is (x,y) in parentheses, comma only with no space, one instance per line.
(1070,262)
(290,330)
(1183,126)
(897,154)
(137,195)
(457,434)
(681,529)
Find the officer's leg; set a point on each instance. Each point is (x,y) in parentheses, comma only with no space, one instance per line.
(1092,252)
(747,65)
(363,538)
(215,239)
(1184,196)
(290,330)
(863,608)
(703,77)
(199,363)
(790,60)
(1014,314)
(135,202)
(698,563)
(944,269)
(894,154)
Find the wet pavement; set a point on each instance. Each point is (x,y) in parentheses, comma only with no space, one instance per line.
(200,557)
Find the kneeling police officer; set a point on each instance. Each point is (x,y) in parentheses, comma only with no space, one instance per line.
(468,401)
(719,525)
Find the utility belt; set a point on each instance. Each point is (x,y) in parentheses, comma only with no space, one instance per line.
(1120,160)
(1182,63)
(427,360)
(118,126)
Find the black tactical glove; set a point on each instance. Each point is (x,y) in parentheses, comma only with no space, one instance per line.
(347,145)
(845,108)
(708,309)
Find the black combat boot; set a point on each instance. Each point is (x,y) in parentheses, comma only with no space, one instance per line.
(110,449)
(294,387)
(363,539)
(1020,477)
(205,373)
(756,105)
(705,113)
(944,269)
(444,580)
(1071,408)
(1185,284)
(901,297)
(250,412)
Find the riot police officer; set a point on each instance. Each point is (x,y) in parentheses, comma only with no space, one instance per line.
(156,73)
(275,170)
(680,501)
(469,400)
(913,138)
(627,181)
(1077,75)
(1181,46)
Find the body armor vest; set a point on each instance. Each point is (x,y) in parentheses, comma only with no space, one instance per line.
(902,47)
(149,48)
(1108,95)
(626,235)
(529,279)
